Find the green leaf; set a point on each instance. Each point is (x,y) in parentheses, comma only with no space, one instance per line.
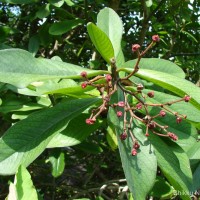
(89,147)
(194,151)
(174,164)
(13,103)
(136,168)
(69,2)
(57,3)
(20,68)
(157,64)
(162,189)
(27,139)
(44,11)
(101,42)
(189,35)
(60,28)
(172,83)
(149,3)
(111,24)
(57,160)
(21,1)
(111,138)
(12,192)
(24,185)
(33,45)
(73,134)
(196,179)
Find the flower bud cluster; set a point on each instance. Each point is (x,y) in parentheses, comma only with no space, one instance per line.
(127,111)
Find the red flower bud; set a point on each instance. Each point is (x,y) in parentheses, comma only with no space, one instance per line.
(139,106)
(178,120)
(187,98)
(147,134)
(150,94)
(135,47)
(123,136)
(84,74)
(162,113)
(134,152)
(172,136)
(90,121)
(156,38)
(108,77)
(84,85)
(136,145)
(119,113)
(121,104)
(152,125)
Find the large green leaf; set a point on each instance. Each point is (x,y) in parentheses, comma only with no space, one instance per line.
(136,168)
(27,139)
(157,64)
(19,68)
(174,163)
(111,24)
(175,84)
(73,134)
(60,28)
(101,42)
(23,187)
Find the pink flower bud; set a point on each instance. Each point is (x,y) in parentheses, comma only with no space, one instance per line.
(156,38)
(119,113)
(172,136)
(187,98)
(108,77)
(121,104)
(134,152)
(84,85)
(135,47)
(162,113)
(84,74)
(178,120)
(90,121)
(139,106)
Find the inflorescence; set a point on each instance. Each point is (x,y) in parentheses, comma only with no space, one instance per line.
(107,85)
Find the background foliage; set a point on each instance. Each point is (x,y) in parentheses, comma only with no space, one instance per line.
(53,28)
